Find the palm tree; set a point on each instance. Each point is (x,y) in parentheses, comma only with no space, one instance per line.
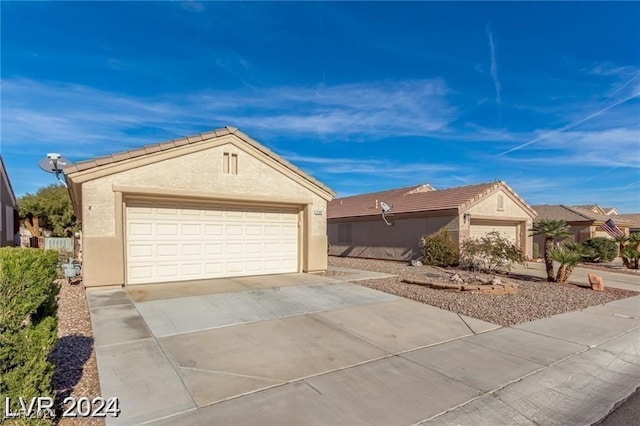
(622,242)
(550,228)
(568,259)
(630,255)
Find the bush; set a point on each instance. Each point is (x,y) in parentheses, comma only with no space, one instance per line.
(601,249)
(439,249)
(632,257)
(490,253)
(28,325)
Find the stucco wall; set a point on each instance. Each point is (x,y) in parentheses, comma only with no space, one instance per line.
(6,235)
(512,212)
(200,171)
(489,207)
(377,240)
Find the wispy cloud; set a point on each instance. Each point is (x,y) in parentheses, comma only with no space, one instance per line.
(494,67)
(555,132)
(193,6)
(46,113)
(608,69)
(334,165)
(606,148)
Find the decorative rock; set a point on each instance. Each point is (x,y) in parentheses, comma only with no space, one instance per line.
(456,278)
(596,282)
(483,280)
(416,262)
(496,281)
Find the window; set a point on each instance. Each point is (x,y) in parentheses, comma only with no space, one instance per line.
(344,233)
(500,203)
(229,164)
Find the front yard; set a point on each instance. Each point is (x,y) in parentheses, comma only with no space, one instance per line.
(535,299)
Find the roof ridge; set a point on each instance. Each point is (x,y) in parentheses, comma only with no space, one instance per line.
(186,140)
(577,211)
(380,192)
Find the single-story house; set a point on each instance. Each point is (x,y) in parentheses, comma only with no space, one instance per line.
(9,214)
(633,219)
(357,229)
(595,208)
(584,223)
(211,205)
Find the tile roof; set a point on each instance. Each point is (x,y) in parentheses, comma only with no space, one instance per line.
(633,218)
(187,140)
(409,199)
(572,214)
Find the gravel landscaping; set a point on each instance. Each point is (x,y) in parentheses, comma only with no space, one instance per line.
(74,356)
(76,373)
(535,299)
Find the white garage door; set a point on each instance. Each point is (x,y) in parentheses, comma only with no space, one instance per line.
(177,243)
(480,229)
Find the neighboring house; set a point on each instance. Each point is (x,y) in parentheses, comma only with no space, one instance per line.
(584,223)
(595,208)
(357,229)
(9,215)
(216,204)
(633,219)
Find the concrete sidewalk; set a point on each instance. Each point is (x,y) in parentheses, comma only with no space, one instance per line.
(580,275)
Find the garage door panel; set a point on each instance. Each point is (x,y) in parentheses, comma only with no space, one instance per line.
(141,272)
(214,268)
(173,243)
(213,230)
(507,230)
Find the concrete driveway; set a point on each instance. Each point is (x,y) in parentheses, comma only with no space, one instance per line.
(175,351)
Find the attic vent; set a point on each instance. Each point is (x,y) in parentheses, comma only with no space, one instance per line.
(500,203)
(229,163)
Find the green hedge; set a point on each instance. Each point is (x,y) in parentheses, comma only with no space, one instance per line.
(28,324)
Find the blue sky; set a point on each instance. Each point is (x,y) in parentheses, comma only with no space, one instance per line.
(363,96)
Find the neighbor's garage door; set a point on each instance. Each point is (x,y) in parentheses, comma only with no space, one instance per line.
(176,243)
(507,230)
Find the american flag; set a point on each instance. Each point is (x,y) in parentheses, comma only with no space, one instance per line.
(612,229)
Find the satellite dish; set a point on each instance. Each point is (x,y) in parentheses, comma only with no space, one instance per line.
(54,163)
(385,210)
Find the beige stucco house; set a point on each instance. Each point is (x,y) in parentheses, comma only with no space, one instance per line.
(9,219)
(356,226)
(211,205)
(633,219)
(584,223)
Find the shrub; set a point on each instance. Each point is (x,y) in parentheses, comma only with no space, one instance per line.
(601,249)
(439,249)
(28,325)
(632,256)
(490,253)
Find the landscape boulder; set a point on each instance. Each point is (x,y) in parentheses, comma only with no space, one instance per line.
(596,282)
